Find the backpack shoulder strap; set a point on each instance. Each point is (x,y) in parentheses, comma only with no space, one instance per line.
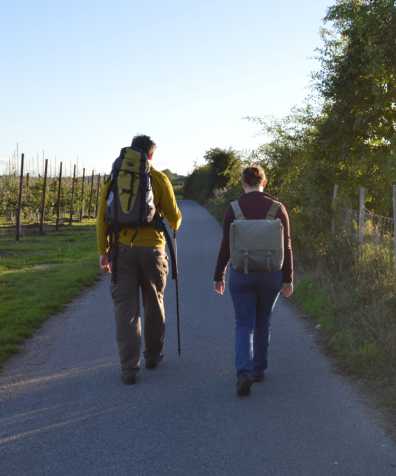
(273,211)
(237,210)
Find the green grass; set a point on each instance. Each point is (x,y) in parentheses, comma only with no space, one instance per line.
(38,276)
(342,330)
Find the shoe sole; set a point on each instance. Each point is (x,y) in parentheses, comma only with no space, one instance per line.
(243,389)
(152,364)
(258,379)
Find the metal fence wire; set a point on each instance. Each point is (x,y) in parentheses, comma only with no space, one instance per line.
(363,224)
(376,228)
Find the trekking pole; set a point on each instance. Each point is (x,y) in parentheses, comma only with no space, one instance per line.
(176,278)
(172,247)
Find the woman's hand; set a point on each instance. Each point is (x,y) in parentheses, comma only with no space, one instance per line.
(287,289)
(105,264)
(219,287)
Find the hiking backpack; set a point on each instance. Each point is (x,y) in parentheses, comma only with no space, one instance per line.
(256,245)
(130,203)
(130,199)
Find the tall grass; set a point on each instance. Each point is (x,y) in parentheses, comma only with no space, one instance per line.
(359,282)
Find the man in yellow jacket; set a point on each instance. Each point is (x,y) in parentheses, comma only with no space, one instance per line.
(142,264)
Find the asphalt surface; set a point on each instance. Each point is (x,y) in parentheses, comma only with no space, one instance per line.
(64,411)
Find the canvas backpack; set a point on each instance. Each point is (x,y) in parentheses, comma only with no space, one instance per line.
(130,198)
(256,245)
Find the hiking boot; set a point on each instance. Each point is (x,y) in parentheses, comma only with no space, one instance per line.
(152,362)
(244,382)
(129,379)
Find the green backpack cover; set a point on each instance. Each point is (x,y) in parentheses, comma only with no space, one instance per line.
(256,245)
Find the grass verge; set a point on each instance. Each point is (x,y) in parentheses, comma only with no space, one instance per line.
(38,276)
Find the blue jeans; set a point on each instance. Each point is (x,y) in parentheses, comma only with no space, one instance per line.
(254,296)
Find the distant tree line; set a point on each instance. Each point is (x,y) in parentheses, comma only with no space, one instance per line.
(345,134)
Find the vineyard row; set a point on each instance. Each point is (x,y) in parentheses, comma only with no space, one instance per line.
(41,202)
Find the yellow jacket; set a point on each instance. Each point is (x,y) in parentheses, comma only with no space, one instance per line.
(165,203)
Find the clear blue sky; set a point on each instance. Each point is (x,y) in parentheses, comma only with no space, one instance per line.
(80,78)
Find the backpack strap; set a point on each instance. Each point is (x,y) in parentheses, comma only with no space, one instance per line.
(237,210)
(273,211)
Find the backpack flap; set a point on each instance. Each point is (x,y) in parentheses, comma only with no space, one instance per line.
(256,245)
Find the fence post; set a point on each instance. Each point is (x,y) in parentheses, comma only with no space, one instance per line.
(90,195)
(82,195)
(394,218)
(72,196)
(362,201)
(333,208)
(59,197)
(42,211)
(18,216)
(97,196)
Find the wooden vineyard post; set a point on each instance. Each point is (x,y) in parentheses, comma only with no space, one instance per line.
(42,210)
(59,197)
(19,205)
(333,209)
(362,201)
(97,196)
(72,196)
(82,196)
(394,220)
(90,195)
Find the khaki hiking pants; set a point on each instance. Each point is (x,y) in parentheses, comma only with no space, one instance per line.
(145,269)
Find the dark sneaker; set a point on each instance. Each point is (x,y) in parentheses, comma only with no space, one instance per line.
(244,382)
(129,379)
(259,377)
(152,362)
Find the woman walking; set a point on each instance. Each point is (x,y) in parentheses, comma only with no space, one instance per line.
(254,293)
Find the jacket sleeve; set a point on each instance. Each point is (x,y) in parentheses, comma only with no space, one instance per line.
(287,268)
(224,252)
(101,227)
(168,205)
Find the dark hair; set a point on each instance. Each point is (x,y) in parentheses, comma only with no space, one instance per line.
(142,143)
(253,175)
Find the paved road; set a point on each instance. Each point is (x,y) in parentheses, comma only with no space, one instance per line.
(64,411)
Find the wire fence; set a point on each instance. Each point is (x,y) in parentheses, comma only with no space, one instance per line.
(376,228)
(364,224)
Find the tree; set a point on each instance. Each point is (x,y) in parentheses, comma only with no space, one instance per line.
(357,81)
(225,167)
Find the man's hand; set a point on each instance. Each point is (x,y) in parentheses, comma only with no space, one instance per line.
(105,264)
(219,287)
(287,289)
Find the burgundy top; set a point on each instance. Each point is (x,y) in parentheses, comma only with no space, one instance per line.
(255,206)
